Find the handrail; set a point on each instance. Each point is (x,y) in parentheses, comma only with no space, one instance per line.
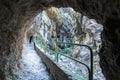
(90,70)
(78,62)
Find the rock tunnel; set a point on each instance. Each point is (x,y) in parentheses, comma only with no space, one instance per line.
(16,16)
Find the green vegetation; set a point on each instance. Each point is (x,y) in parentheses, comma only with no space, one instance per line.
(41,42)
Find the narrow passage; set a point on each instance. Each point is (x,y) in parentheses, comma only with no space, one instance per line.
(32,67)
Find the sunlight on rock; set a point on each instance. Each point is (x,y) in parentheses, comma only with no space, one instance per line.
(67,25)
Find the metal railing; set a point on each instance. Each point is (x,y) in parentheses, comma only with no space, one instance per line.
(90,69)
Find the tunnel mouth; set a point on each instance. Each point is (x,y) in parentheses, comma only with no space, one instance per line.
(53,26)
(49,27)
(16,15)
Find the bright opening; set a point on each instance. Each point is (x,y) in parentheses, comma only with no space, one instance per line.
(51,30)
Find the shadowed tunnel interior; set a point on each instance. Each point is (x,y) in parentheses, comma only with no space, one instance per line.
(16,16)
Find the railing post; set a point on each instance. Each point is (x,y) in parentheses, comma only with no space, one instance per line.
(57,54)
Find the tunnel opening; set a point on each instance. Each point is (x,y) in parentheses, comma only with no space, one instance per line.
(13,26)
(67,25)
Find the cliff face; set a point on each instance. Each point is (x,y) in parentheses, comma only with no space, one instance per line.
(17,14)
(74,28)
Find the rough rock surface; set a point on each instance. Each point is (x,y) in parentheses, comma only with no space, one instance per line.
(71,29)
(16,15)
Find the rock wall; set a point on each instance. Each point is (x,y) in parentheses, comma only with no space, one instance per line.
(13,24)
(16,13)
(109,53)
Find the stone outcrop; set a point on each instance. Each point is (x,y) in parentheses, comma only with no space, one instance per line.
(52,14)
(17,14)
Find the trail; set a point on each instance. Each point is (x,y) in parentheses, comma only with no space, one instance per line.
(32,67)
